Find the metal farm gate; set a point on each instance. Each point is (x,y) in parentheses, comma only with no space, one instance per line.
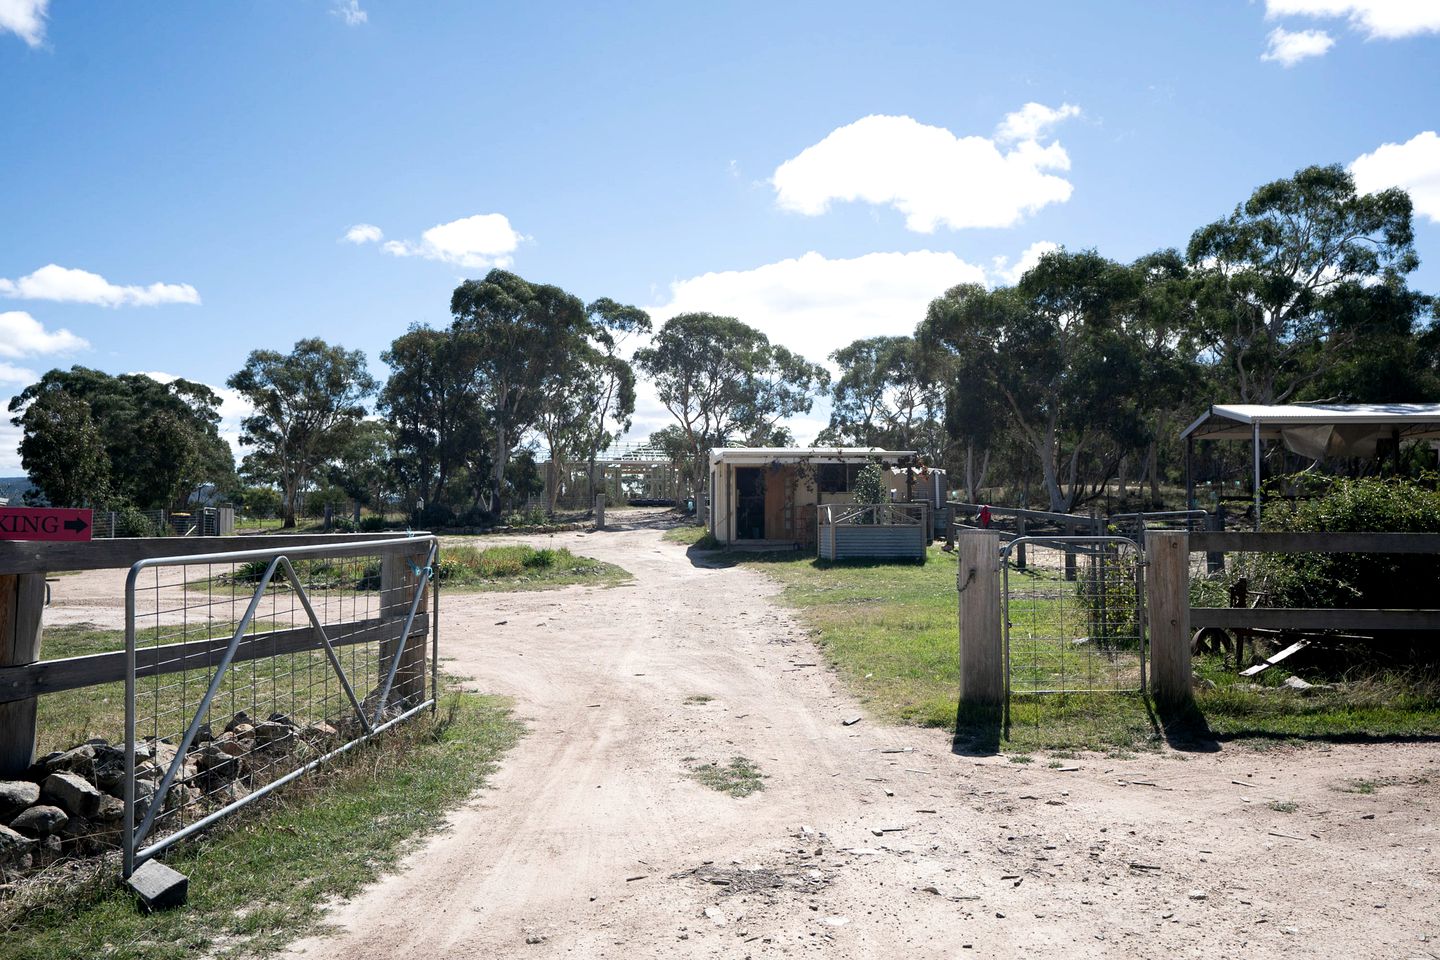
(246,670)
(1073,615)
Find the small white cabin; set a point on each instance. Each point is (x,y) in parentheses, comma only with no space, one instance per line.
(770,494)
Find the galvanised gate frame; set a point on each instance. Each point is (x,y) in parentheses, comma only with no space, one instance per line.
(399,575)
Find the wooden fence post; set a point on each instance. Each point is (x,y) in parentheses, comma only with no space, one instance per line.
(1020,547)
(600,511)
(982,646)
(1215,562)
(398,580)
(22,608)
(1070,530)
(1167,592)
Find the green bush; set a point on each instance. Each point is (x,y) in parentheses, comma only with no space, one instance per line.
(372,524)
(531,517)
(1353,579)
(131,522)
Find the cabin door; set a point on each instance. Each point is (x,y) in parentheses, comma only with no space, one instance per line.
(749,503)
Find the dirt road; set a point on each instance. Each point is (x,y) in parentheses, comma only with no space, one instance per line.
(867,840)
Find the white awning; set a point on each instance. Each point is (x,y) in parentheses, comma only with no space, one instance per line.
(761,455)
(1319,430)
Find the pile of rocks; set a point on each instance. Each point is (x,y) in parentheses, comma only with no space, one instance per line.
(70,803)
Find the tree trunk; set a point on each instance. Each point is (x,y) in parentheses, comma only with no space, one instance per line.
(1050,472)
(497,474)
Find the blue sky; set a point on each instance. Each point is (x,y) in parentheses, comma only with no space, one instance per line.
(821,170)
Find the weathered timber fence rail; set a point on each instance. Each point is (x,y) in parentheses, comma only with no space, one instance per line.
(1310,618)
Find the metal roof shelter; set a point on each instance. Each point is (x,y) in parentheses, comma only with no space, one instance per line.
(1314,430)
(752,455)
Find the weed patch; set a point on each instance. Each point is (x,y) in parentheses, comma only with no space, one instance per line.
(739,778)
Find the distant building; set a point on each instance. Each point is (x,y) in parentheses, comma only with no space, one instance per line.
(772,493)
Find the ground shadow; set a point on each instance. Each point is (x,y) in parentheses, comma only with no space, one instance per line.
(979,730)
(1183,726)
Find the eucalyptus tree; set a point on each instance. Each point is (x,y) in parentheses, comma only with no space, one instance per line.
(884,396)
(63,451)
(158,438)
(1277,270)
(525,335)
(1066,374)
(432,401)
(305,404)
(722,379)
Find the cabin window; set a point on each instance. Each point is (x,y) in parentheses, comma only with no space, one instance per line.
(836,477)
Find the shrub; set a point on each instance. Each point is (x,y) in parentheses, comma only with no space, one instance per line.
(372,524)
(539,559)
(529,517)
(1354,579)
(132,522)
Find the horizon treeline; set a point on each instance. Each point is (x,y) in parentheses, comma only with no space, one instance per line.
(1080,373)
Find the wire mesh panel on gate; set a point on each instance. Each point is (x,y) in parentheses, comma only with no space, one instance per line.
(1074,615)
(265,664)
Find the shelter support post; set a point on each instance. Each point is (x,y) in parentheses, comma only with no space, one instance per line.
(22,607)
(982,647)
(1190,473)
(1257,473)
(1167,589)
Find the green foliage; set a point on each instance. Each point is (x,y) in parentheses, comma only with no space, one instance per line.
(1353,579)
(63,451)
(372,524)
(722,379)
(306,404)
(149,442)
(738,778)
(1277,273)
(870,486)
(260,502)
(524,335)
(521,568)
(884,398)
(131,522)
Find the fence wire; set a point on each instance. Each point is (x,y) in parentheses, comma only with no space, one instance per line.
(280,703)
(1074,616)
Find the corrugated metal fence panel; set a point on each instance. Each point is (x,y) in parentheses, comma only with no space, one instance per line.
(877,542)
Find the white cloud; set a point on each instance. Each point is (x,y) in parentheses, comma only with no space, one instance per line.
(1414,165)
(25,19)
(350,12)
(813,304)
(66,285)
(22,335)
(1028,258)
(1288,49)
(927,173)
(364,233)
(9,373)
(1032,121)
(1379,19)
(484,240)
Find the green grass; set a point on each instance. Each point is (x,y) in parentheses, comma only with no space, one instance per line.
(692,535)
(465,568)
(263,877)
(739,778)
(522,568)
(890,631)
(1283,806)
